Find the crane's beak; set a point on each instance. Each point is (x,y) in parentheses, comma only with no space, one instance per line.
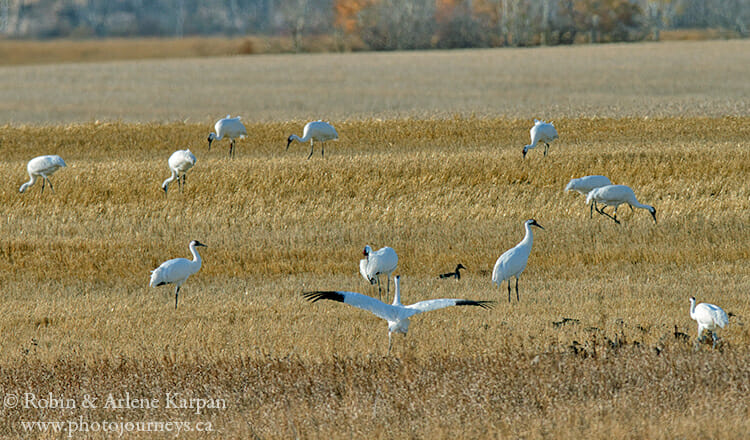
(209,143)
(524,153)
(653,214)
(288,142)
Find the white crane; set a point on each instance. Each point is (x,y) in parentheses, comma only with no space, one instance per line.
(709,317)
(396,314)
(541,132)
(513,261)
(383,261)
(177,270)
(615,195)
(585,184)
(229,127)
(42,166)
(456,274)
(179,163)
(320,131)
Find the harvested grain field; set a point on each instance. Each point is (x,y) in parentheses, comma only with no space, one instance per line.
(88,344)
(665,79)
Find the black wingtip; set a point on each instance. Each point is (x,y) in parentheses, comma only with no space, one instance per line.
(318,295)
(483,304)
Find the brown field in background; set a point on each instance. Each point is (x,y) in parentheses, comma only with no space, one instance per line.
(79,318)
(24,52)
(669,79)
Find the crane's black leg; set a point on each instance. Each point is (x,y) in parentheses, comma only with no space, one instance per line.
(322,147)
(176,292)
(517,298)
(546,148)
(380,292)
(311,150)
(231,149)
(43,180)
(602,212)
(508,289)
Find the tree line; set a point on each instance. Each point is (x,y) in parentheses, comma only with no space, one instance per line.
(378,24)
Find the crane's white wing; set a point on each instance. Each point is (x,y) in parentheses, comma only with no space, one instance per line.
(436,304)
(595,194)
(710,312)
(172,271)
(547,131)
(45,165)
(320,130)
(586,183)
(181,160)
(382,261)
(364,302)
(510,263)
(231,127)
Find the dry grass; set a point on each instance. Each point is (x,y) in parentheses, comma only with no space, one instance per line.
(79,318)
(698,34)
(615,80)
(25,52)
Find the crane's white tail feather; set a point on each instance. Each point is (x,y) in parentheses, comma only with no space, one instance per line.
(590,196)
(156,278)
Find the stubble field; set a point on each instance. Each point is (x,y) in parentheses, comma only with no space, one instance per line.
(79,319)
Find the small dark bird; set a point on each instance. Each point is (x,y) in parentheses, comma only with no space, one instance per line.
(680,335)
(564,321)
(456,274)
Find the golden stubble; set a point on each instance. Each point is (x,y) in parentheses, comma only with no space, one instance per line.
(74,269)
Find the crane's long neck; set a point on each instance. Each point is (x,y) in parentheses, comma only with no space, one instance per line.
(302,139)
(170,180)
(196,256)
(218,137)
(692,308)
(637,204)
(397,295)
(528,239)
(534,139)
(31,181)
